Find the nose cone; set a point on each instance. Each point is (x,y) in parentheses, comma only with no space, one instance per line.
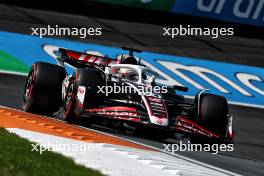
(159,121)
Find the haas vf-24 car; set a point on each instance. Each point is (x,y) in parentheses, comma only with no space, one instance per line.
(50,90)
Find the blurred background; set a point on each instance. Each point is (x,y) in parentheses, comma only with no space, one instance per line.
(139,23)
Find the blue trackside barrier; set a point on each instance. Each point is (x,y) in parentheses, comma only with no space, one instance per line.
(238,83)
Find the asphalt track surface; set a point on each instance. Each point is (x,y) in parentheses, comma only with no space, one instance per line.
(248,157)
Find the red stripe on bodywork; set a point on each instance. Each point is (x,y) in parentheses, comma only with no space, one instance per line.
(95,59)
(74,55)
(87,58)
(190,126)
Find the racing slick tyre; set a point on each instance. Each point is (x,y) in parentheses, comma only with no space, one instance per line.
(89,78)
(214,113)
(67,113)
(42,92)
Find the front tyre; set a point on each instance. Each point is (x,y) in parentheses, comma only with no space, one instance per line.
(90,79)
(67,113)
(214,114)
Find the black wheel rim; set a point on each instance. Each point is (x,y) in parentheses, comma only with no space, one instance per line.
(28,88)
(69,97)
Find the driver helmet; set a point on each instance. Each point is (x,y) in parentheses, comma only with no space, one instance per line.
(128,73)
(129,60)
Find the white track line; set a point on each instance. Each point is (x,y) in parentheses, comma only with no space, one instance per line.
(13,73)
(116,160)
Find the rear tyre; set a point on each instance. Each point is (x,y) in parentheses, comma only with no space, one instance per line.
(42,92)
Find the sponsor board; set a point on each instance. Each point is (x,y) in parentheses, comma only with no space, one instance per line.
(239,11)
(238,83)
(249,12)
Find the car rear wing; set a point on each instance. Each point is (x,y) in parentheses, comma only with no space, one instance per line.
(78,58)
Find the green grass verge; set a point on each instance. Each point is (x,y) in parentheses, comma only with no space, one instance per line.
(17,159)
(9,63)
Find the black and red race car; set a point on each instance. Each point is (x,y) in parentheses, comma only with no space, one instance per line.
(91,93)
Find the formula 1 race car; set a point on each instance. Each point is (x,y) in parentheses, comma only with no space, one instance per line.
(125,91)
